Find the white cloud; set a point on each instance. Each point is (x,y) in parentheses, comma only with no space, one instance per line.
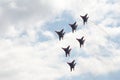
(24,15)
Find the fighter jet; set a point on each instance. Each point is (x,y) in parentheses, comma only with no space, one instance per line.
(73,26)
(67,51)
(81,41)
(72,65)
(84,18)
(60,34)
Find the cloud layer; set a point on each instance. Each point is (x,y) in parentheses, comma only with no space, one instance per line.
(31,51)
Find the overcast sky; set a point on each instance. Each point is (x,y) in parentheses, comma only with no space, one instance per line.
(30,49)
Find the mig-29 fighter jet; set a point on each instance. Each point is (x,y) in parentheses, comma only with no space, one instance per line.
(81,41)
(60,34)
(67,51)
(72,65)
(84,18)
(73,26)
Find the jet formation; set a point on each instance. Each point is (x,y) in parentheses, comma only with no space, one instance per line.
(81,40)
